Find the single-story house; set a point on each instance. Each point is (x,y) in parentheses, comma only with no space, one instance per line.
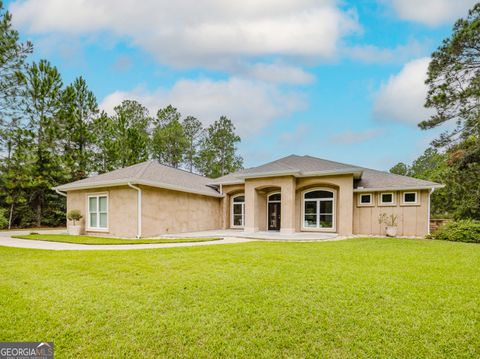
(291,194)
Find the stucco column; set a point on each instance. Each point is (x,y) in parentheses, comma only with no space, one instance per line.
(225,206)
(287,220)
(345,207)
(251,199)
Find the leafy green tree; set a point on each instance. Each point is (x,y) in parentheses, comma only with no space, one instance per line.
(218,154)
(400,169)
(79,110)
(124,136)
(194,133)
(169,142)
(12,58)
(41,105)
(15,174)
(454,86)
(454,93)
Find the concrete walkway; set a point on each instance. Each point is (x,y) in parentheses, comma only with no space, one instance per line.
(262,235)
(7,241)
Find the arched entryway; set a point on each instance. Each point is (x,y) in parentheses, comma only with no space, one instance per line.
(274,209)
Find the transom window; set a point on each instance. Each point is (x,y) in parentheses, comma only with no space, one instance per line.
(410,197)
(365,198)
(275,197)
(319,209)
(238,211)
(387,198)
(98,211)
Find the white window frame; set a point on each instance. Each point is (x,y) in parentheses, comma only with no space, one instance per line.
(232,225)
(410,203)
(359,200)
(97,228)
(334,210)
(380,199)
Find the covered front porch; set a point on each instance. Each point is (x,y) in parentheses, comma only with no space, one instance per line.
(286,205)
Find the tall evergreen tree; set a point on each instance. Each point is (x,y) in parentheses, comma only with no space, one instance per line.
(12,58)
(41,105)
(79,110)
(218,155)
(124,136)
(169,142)
(194,133)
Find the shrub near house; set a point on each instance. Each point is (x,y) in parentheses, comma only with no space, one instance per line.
(459,231)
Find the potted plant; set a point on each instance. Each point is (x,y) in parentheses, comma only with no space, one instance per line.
(390,223)
(75,216)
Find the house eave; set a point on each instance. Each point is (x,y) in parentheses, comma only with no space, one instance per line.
(400,188)
(124,182)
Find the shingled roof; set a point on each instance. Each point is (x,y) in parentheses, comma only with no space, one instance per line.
(306,166)
(150,173)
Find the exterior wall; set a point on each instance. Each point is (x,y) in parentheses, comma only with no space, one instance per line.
(412,219)
(344,202)
(163,211)
(122,209)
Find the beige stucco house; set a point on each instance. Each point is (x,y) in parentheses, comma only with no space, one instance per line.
(292,194)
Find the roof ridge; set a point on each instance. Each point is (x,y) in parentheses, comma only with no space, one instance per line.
(140,174)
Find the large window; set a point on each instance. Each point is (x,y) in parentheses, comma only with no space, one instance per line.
(98,211)
(319,209)
(238,211)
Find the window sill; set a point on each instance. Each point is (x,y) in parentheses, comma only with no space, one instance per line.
(306,229)
(366,205)
(387,205)
(410,204)
(103,230)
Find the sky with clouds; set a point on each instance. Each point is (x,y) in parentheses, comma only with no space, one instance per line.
(342,80)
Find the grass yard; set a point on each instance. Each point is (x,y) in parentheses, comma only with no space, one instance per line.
(65,238)
(377,297)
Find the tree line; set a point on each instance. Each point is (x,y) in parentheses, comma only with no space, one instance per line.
(51,133)
(454,93)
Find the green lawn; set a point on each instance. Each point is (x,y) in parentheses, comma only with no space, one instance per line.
(105,240)
(377,297)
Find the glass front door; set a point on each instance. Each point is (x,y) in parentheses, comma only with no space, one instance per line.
(274,216)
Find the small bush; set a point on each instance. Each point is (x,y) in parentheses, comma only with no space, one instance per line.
(466,230)
(74,215)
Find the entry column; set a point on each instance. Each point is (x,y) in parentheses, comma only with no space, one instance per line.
(287,220)
(251,200)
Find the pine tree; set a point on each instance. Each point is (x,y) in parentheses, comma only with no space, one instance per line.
(218,155)
(169,142)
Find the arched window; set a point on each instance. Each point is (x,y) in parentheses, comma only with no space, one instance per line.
(319,209)
(238,211)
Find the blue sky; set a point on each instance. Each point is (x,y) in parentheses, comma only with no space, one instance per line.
(341,80)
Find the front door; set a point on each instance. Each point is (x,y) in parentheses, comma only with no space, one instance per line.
(274,216)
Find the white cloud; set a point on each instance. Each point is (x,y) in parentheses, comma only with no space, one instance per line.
(354,137)
(191,33)
(250,104)
(431,12)
(402,97)
(399,54)
(280,73)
